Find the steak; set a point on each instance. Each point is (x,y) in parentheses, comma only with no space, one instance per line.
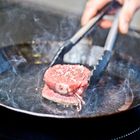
(65,84)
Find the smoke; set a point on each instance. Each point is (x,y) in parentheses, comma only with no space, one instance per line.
(109,97)
(21,83)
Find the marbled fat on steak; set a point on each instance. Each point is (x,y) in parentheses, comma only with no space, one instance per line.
(65,84)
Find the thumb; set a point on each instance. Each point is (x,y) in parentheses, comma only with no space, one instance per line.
(127,12)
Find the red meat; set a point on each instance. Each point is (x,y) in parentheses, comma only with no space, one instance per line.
(65,84)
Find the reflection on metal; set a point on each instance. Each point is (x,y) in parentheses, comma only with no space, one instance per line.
(16,55)
(4,64)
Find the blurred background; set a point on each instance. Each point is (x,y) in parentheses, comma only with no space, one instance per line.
(22,20)
(65,7)
(68,6)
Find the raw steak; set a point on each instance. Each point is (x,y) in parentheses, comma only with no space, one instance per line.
(65,84)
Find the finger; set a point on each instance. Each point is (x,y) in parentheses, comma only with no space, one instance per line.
(92,7)
(121,1)
(126,15)
(107,20)
(105,24)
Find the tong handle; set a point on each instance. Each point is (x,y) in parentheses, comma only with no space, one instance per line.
(88,27)
(111,38)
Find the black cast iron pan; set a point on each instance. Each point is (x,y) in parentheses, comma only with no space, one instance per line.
(23,65)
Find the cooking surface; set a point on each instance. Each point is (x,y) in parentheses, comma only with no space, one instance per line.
(21,73)
(23,91)
(22,83)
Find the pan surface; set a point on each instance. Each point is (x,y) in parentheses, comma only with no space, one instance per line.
(23,65)
(22,93)
(22,82)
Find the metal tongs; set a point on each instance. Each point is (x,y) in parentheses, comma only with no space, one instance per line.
(103,61)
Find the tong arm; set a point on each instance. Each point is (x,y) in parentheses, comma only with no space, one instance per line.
(88,27)
(67,46)
(111,38)
(102,63)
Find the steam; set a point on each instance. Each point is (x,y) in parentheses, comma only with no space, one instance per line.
(109,98)
(129,99)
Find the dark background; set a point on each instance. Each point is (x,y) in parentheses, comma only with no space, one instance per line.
(18,126)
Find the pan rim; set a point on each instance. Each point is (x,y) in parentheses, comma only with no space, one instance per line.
(42,115)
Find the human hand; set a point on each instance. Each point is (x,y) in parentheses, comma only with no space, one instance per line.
(126,15)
